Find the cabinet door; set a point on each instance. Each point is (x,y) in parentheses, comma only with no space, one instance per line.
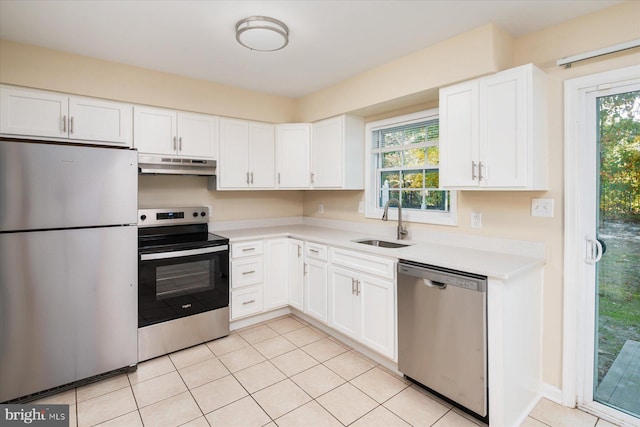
(234,154)
(33,113)
(293,145)
(315,285)
(459,135)
(378,316)
(262,155)
(197,135)
(327,153)
(296,282)
(503,129)
(277,280)
(98,120)
(155,130)
(343,302)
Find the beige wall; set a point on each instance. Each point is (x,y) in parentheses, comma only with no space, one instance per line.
(484,50)
(36,67)
(407,84)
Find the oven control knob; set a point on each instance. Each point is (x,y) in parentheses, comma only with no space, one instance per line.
(202,213)
(195,214)
(143,217)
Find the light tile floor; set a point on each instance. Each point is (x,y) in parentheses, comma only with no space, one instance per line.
(282,372)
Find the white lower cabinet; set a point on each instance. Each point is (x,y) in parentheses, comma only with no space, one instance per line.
(296,273)
(315,281)
(246,301)
(247,278)
(362,305)
(283,266)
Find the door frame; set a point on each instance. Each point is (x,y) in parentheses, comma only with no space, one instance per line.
(579,306)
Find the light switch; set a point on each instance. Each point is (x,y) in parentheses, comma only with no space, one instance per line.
(476,220)
(542,207)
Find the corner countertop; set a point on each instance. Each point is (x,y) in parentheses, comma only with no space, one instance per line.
(487,263)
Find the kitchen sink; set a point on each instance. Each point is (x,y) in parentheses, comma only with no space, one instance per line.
(382,243)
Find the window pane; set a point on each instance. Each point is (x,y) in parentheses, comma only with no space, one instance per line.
(433,131)
(391,159)
(390,179)
(437,200)
(413,179)
(415,135)
(414,157)
(432,178)
(391,138)
(433,155)
(412,199)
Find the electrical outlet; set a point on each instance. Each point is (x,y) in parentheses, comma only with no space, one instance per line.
(542,207)
(476,220)
(321,208)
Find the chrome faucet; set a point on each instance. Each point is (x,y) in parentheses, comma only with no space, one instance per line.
(402,230)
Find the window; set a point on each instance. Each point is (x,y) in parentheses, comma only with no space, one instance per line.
(403,164)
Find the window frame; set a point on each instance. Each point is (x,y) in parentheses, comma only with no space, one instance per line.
(371,186)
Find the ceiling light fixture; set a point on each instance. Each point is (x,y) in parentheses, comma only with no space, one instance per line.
(262,33)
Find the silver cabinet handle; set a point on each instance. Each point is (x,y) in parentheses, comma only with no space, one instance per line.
(357,288)
(180,144)
(247,177)
(248,272)
(353,286)
(304,270)
(278,178)
(473,171)
(175,143)
(315,251)
(251,177)
(312,175)
(480,177)
(248,249)
(299,250)
(71,124)
(64,124)
(249,302)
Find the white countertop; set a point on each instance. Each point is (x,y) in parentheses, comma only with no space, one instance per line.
(488,263)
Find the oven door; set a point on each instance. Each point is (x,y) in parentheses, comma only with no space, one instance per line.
(176,284)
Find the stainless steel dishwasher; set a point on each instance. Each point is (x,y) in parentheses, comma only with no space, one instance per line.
(442,332)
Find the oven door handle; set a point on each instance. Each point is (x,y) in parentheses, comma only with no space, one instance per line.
(178,254)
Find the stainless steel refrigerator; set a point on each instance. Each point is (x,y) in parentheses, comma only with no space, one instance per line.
(68,264)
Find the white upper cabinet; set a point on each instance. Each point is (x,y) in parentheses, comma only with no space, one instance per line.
(247,155)
(293,148)
(493,132)
(337,153)
(41,114)
(168,132)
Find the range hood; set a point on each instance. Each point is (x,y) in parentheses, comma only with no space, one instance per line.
(167,165)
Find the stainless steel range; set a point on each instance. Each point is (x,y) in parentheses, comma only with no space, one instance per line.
(183,281)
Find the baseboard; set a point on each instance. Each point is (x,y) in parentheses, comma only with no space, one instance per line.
(551,392)
(255,319)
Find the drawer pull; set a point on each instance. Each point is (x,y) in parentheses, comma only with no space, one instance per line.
(315,251)
(249,302)
(248,249)
(248,272)
(185,306)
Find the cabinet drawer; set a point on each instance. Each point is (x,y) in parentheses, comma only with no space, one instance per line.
(246,301)
(247,271)
(370,264)
(315,251)
(245,249)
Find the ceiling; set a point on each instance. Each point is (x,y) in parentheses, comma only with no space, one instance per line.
(329,40)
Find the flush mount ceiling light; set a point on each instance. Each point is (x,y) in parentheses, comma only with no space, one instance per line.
(262,33)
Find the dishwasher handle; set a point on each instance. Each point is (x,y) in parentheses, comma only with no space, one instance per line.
(439,277)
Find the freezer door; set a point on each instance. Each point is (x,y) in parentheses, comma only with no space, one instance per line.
(68,306)
(44,186)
